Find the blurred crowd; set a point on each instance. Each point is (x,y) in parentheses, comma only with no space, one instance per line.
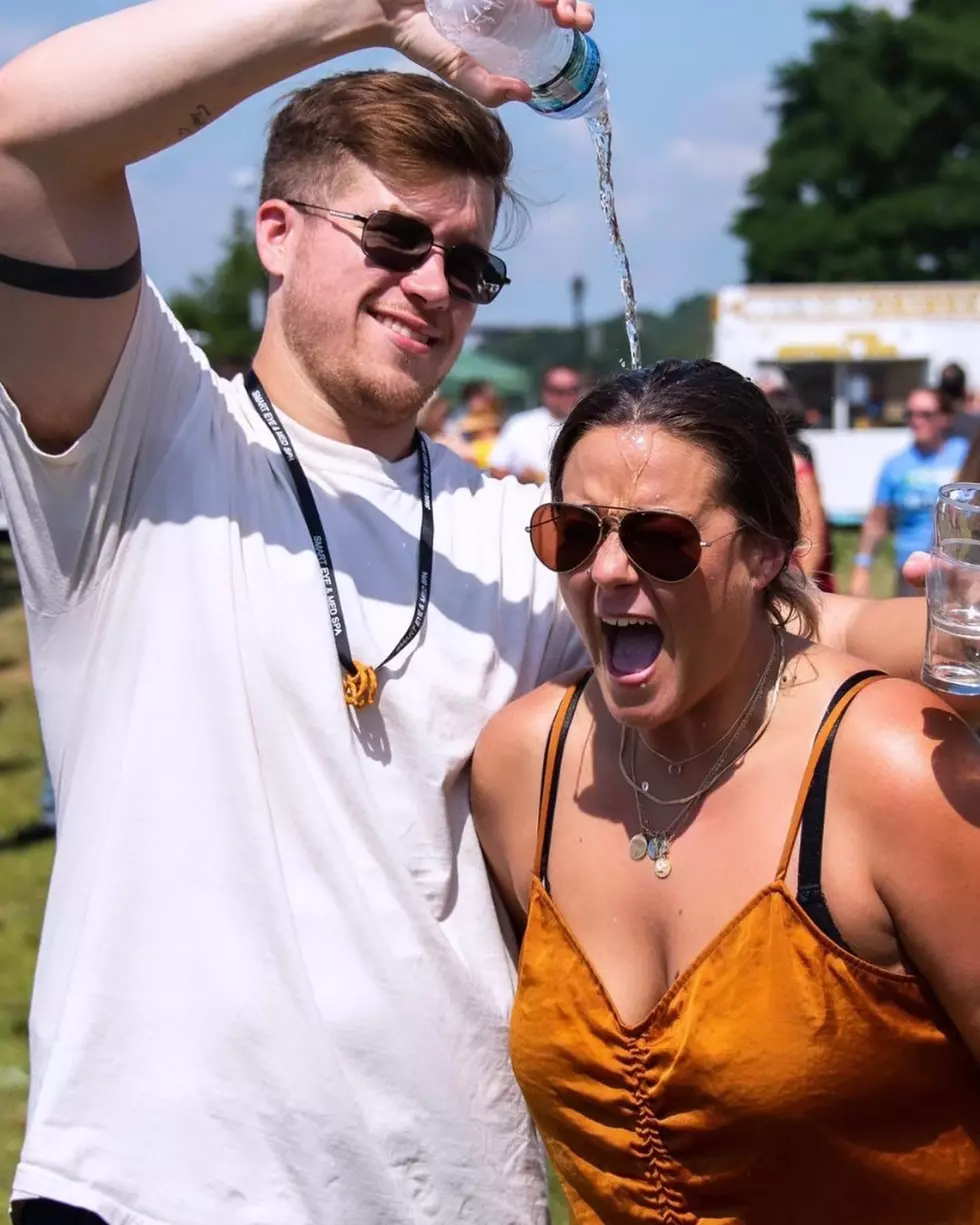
(517,445)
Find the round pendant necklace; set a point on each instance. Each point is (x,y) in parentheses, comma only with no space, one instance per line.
(655,845)
(629,738)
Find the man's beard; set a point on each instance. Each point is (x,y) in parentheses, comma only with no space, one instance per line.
(375,398)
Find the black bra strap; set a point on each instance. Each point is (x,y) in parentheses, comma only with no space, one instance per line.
(810,890)
(551,775)
(71,282)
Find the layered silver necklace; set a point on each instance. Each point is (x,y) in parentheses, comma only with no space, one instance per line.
(654,844)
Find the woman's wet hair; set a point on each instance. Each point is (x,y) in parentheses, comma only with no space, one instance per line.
(713,407)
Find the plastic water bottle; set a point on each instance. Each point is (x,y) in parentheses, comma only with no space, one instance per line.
(519,38)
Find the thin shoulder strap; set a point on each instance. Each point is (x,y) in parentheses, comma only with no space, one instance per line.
(811,802)
(551,774)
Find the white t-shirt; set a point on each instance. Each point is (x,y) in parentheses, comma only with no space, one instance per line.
(272,989)
(525,442)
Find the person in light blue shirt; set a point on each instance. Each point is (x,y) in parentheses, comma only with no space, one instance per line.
(908,487)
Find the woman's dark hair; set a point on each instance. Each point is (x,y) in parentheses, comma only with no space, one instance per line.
(952,381)
(713,407)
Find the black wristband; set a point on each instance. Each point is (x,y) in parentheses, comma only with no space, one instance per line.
(71,282)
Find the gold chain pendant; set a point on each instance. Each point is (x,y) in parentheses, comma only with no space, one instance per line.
(361,688)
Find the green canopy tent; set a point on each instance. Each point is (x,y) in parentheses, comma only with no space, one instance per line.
(515,384)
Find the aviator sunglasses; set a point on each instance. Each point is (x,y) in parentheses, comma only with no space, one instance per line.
(400,243)
(663,544)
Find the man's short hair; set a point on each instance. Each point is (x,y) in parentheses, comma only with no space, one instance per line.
(403,126)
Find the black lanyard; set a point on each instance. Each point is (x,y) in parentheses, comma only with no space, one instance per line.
(361,681)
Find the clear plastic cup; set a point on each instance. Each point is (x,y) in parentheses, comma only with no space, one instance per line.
(952,655)
(958,513)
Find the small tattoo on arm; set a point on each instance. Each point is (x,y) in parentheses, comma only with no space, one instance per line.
(199,118)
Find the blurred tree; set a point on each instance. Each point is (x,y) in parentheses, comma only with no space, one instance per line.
(219,310)
(875,172)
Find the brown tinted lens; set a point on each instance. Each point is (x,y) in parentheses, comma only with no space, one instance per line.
(395,242)
(564,537)
(667,547)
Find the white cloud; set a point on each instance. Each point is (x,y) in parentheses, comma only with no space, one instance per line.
(716,161)
(898,8)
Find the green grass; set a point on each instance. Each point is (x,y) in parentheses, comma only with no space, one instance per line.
(24,873)
(882,572)
(23,880)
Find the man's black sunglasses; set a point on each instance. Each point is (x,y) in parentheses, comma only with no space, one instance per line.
(402,244)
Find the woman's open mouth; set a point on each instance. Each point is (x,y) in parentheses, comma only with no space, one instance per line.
(631,646)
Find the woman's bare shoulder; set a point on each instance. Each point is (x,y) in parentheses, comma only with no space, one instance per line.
(900,746)
(505,785)
(526,722)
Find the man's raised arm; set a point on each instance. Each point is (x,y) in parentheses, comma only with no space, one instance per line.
(890,634)
(79,108)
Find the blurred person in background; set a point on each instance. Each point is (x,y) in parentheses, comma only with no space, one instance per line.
(953,384)
(433,417)
(471,436)
(908,486)
(434,422)
(477,432)
(815,558)
(524,447)
(473,396)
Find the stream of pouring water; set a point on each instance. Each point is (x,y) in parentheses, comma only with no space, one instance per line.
(600,127)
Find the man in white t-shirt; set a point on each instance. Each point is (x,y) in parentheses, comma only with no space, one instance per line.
(267,625)
(524,446)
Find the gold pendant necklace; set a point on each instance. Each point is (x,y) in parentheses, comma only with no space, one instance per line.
(361,687)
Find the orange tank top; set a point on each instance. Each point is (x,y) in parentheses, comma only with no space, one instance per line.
(781,1080)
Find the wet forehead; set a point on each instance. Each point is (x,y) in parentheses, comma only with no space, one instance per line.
(643,468)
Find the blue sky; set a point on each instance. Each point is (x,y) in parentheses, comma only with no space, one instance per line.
(690,89)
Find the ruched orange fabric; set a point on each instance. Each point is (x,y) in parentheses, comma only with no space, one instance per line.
(780,1081)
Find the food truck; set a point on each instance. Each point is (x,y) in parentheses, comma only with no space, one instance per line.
(852,353)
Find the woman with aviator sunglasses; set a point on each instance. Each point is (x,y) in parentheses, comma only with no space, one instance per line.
(749,986)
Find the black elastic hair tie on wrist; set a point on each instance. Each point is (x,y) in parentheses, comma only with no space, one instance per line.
(71,282)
